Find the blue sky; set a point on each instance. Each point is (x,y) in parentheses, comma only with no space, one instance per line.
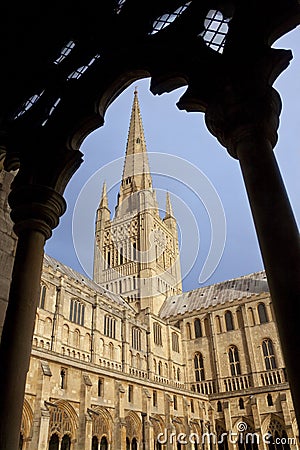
(185,137)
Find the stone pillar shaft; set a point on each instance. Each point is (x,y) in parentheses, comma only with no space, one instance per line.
(17,334)
(246,123)
(35,212)
(280,247)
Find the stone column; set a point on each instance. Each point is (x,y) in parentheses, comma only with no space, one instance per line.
(246,122)
(35,212)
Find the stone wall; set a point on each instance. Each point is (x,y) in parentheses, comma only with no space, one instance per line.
(7,243)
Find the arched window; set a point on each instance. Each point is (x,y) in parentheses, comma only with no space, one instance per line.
(175,342)
(127,444)
(134,444)
(262,313)
(42,297)
(269,400)
(199,367)
(251,316)
(103,443)
(54,442)
(63,379)
(229,321)
(110,326)
(197,328)
(76,311)
(65,443)
(234,361)
(157,333)
(188,331)
(136,338)
(269,355)
(160,368)
(95,443)
(218,324)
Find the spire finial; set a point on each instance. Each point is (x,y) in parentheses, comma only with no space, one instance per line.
(104,200)
(169,209)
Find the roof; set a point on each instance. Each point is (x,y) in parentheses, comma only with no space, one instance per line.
(214,295)
(77,276)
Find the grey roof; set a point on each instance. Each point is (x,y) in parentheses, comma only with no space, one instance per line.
(77,276)
(215,294)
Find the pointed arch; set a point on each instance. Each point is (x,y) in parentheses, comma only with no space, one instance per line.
(27,420)
(102,424)
(133,426)
(63,419)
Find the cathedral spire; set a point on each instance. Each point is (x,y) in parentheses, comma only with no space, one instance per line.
(136,172)
(104,200)
(169,209)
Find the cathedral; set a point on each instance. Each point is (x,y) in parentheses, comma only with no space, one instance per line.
(128,361)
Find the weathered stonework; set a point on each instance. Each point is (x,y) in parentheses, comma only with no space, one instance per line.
(111,371)
(8,242)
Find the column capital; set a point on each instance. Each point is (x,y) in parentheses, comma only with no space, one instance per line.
(247,114)
(35,207)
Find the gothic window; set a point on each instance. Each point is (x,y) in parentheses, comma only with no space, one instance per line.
(108,259)
(219,406)
(134,444)
(154,398)
(229,321)
(77,310)
(269,400)
(95,443)
(175,342)
(136,338)
(100,387)
(192,406)
(63,378)
(134,251)
(251,316)
(262,313)
(175,402)
(121,257)
(54,442)
(241,403)
(42,297)
(234,361)
(188,331)
(198,329)
(157,333)
(199,367)
(103,443)
(65,442)
(160,368)
(138,141)
(130,393)
(269,355)
(218,324)
(110,326)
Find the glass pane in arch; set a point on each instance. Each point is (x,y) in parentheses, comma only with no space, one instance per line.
(95,443)
(54,442)
(103,443)
(66,442)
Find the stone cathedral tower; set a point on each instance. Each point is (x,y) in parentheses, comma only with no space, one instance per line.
(136,251)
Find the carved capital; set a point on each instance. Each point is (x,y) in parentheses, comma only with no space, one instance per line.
(35,207)
(244,114)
